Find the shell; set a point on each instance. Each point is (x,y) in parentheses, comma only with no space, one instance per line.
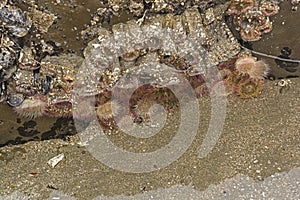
(7,63)
(15,20)
(15,99)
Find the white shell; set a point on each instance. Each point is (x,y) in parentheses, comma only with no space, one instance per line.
(55,160)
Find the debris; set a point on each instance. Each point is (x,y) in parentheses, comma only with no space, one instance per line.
(55,160)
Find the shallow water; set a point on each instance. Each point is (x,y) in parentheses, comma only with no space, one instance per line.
(285,34)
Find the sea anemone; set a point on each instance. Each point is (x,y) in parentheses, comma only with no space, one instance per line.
(32,107)
(249,88)
(141,108)
(244,65)
(196,80)
(221,89)
(261,69)
(62,108)
(249,66)
(252,24)
(106,111)
(225,73)
(233,79)
(83,108)
(228,64)
(201,90)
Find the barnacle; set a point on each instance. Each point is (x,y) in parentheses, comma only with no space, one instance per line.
(237,7)
(136,7)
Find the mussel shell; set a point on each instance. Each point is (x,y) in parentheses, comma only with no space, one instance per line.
(15,20)
(46,85)
(18,43)
(15,99)
(7,73)
(7,64)
(7,58)
(62,104)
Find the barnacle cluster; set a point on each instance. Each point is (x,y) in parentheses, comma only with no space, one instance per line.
(213,37)
(138,9)
(161,40)
(251,17)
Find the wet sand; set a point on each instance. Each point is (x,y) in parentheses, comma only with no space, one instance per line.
(260,138)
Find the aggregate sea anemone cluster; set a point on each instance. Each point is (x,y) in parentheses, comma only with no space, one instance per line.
(47,93)
(20,65)
(39,87)
(251,18)
(247,78)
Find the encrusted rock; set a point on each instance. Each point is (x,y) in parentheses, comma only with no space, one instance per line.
(42,20)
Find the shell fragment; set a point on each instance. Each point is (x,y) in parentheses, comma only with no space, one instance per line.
(55,160)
